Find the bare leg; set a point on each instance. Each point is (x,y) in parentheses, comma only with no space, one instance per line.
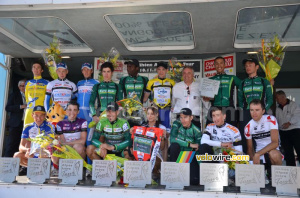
(275,157)
(90,151)
(80,149)
(23,159)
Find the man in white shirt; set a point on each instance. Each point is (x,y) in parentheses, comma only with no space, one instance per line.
(186,94)
(288,116)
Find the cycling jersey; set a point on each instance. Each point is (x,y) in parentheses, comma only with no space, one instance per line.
(131,84)
(85,88)
(145,140)
(224,98)
(32,130)
(161,90)
(115,133)
(61,91)
(105,92)
(215,135)
(255,88)
(185,136)
(261,131)
(71,129)
(35,90)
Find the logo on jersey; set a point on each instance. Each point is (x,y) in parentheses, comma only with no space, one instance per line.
(162,91)
(270,120)
(125,127)
(247,131)
(214,131)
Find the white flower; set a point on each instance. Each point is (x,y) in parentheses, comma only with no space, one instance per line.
(55,142)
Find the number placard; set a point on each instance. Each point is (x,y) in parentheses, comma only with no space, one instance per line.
(250,177)
(70,171)
(38,170)
(286,179)
(175,175)
(9,169)
(104,172)
(213,176)
(137,173)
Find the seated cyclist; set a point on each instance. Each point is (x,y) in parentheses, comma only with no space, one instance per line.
(185,136)
(264,130)
(73,130)
(38,127)
(220,134)
(111,135)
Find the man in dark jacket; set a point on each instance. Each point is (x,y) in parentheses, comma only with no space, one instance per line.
(15,105)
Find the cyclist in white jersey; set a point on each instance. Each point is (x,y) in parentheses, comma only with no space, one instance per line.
(61,90)
(264,130)
(220,134)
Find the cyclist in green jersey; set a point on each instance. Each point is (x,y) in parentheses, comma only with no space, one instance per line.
(224,98)
(111,135)
(253,87)
(134,82)
(105,91)
(185,136)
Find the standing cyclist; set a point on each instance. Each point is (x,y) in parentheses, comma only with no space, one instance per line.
(83,98)
(224,98)
(105,92)
(61,90)
(134,82)
(35,90)
(253,87)
(161,89)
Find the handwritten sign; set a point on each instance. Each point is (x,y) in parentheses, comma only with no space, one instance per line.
(175,175)
(250,177)
(38,170)
(286,179)
(9,169)
(213,176)
(104,172)
(137,173)
(209,88)
(70,171)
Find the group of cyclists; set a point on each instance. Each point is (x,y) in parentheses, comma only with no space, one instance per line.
(86,101)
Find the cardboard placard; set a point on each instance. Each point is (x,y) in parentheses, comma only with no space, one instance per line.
(175,175)
(104,172)
(213,176)
(70,171)
(38,170)
(137,173)
(286,179)
(250,177)
(9,169)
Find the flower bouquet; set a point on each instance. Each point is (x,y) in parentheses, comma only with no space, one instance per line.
(42,145)
(132,110)
(231,164)
(175,72)
(113,56)
(51,146)
(51,56)
(68,152)
(271,56)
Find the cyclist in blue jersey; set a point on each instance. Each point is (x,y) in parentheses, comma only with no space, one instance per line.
(27,149)
(83,97)
(85,90)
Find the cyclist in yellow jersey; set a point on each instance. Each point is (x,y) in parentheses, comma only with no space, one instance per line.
(161,90)
(35,91)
